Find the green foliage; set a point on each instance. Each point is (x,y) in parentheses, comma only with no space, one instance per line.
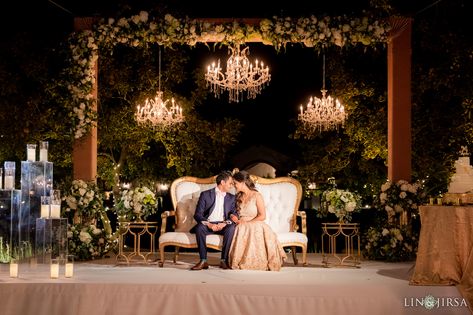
(390,243)
(128,151)
(441,109)
(442,94)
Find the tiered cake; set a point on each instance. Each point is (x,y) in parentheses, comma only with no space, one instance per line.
(461,184)
(462,180)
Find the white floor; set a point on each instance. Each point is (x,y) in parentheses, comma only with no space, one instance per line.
(375,288)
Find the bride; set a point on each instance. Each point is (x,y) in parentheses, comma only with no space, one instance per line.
(255,246)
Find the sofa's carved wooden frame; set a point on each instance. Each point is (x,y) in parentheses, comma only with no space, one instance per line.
(259,180)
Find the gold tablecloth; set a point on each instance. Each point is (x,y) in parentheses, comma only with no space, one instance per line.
(445,254)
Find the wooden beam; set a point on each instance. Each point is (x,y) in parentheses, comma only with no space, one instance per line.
(399,100)
(84,152)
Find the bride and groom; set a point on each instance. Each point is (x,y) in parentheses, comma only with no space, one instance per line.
(248,242)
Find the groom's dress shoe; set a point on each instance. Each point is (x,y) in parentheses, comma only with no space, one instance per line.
(224,265)
(201,265)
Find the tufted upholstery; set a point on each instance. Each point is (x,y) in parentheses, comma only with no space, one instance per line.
(281,197)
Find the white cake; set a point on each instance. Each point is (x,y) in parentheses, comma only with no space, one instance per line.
(462,180)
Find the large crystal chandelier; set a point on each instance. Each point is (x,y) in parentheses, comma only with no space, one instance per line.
(157,112)
(240,76)
(323,114)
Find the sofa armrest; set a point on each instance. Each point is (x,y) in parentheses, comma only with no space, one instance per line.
(303,216)
(164,219)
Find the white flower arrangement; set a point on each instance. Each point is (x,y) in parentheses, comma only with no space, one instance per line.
(401,196)
(390,243)
(136,203)
(87,241)
(84,199)
(340,202)
(140,30)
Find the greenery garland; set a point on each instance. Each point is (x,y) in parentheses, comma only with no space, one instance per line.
(141,30)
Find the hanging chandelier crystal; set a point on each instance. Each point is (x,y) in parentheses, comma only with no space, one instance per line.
(240,76)
(157,112)
(323,114)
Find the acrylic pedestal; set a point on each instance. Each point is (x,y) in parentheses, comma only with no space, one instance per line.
(51,239)
(36,181)
(10,206)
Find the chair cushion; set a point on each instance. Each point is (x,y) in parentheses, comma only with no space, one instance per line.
(189,239)
(185,213)
(291,237)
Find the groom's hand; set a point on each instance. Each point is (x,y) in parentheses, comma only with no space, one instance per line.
(220,226)
(212,226)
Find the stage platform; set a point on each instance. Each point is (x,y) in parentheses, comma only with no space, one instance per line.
(103,287)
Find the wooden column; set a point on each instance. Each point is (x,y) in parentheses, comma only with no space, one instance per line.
(399,99)
(84,153)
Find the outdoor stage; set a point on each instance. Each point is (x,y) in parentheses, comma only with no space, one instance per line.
(102,287)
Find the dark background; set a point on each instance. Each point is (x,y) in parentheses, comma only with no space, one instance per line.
(296,72)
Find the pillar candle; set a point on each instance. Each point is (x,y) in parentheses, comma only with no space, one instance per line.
(69,270)
(44,211)
(31,154)
(13,270)
(55,211)
(43,155)
(54,270)
(9,182)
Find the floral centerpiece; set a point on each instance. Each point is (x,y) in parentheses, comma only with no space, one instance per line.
(340,202)
(401,196)
(136,204)
(87,241)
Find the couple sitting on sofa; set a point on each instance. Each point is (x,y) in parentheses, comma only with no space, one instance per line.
(248,242)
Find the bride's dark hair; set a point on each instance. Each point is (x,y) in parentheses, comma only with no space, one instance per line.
(243,177)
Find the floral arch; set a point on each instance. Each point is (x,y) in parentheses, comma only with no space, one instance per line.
(141,30)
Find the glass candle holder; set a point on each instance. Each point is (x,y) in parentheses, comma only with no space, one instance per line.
(69,268)
(55,204)
(43,151)
(31,152)
(54,268)
(45,207)
(13,268)
(9,175)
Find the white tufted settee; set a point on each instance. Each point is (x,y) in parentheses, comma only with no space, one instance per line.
(281,196)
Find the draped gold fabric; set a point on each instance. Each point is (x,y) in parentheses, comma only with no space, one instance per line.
(445,254)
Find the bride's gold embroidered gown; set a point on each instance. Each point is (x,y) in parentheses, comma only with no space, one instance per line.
(255,246)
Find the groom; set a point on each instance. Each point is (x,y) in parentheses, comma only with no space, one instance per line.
(213,217)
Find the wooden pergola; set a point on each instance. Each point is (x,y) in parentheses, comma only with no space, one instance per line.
(399,102)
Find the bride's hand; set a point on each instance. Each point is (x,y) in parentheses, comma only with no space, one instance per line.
(234,219)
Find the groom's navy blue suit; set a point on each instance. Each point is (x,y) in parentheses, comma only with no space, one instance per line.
(204,208)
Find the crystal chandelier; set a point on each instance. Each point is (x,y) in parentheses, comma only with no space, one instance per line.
(240,76)
(323,114)
(156,112)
